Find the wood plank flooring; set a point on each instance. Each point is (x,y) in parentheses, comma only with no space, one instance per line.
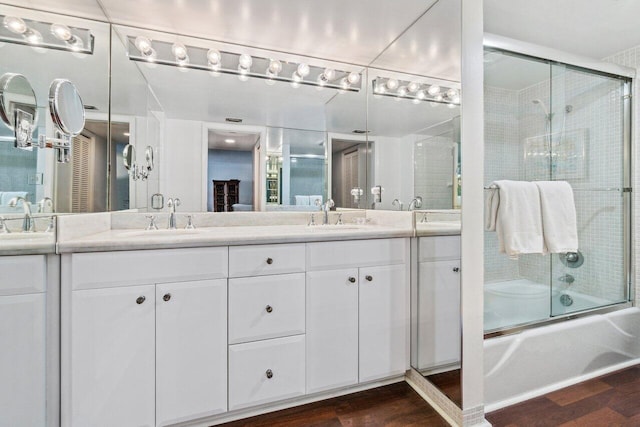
(395,405)
(448,383)
(610,400)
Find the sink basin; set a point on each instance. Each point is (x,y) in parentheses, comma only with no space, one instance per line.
(320,228)
(24,236)
(162,233)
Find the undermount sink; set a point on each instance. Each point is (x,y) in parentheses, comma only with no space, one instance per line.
(163,233)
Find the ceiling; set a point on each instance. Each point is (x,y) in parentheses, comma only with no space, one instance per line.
(242,141)
(593,28)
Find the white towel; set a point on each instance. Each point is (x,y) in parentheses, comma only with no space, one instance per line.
(559,222)
(513,211)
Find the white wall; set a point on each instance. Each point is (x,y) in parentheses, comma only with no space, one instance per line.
(394,169)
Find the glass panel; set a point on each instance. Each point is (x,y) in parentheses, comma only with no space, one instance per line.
(587,150)
(516,97)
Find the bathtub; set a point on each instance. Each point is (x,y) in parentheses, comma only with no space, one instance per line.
(516,302)
(537,361)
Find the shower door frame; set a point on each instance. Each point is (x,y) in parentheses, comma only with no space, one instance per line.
(627,76)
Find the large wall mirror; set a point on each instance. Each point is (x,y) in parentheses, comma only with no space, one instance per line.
(44,47)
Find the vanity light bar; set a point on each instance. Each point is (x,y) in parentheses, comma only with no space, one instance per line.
(243,65)
(48,35)
(415,91)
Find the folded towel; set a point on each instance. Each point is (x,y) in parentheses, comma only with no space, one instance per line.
(559,222)
(513,211)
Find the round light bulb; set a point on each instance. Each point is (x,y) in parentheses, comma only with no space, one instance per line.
(214,57)
(402,91)
(380,88)
(421,94)
(439,97)
(452,93)
(329,74)
(413,87)
(303,69)
(392,84)
(61,32)
(14,24)
(353,78)
(456,99)
(275,67)
(143,44)
(179,51)
(344,83)
(433,90)
(33,36)
(245,61)
(297,78)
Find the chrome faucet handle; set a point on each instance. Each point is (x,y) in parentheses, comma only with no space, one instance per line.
(424,219)
(176,202)
(330,204)
(190,225)
(152,222)
(51,225)
(3,226)
(339,220)
(312,221)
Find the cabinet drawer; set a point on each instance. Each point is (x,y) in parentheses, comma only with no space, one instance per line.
(266,371)
(438,248)
(266,307)
(108,269)
(261,260)
(23,274)
(356,253)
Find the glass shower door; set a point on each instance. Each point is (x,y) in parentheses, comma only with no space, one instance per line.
(587,148)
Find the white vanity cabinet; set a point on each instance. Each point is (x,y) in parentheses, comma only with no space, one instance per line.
(23,350)
(358,316)
(438,301)
(144,354)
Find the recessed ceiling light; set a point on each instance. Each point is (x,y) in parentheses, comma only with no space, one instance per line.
(230,141)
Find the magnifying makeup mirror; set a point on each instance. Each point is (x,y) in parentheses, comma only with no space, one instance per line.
(129,156)
(18,107)
(149,157)
(66,107)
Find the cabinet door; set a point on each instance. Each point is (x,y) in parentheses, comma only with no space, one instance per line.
(384,322)
(113,357)
(191,350)
(332,329)
(22,360)
(438,313)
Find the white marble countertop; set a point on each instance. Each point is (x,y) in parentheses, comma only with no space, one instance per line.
(18,243)
(131,239)
(437,228)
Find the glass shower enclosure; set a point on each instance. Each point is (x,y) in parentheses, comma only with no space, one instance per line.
(546,120)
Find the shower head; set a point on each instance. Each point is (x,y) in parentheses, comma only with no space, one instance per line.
(541,104)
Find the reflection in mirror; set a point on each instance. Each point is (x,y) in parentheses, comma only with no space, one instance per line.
(351,170)
(66,107)
(128,156)
(18,107)
(34,172)
(414,141)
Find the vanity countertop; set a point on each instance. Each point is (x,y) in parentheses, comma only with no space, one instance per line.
(131,239)
(18,243)
(437,228)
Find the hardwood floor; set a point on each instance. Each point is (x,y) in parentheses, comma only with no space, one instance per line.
(394,405)
(610,400)
(449,384)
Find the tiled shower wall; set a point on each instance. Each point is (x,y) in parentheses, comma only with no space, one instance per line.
(631,58)
(593,124)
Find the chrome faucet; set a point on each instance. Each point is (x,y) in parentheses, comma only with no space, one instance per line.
(567,278)
(325,208)
(398,203)
(3,226)
(44,204)
(172,204)
(415,203)
(28,225)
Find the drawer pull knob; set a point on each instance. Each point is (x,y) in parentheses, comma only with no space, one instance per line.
(269,261)
(352,279)
(269,309)
(140,299)
(269,373)
(456,269)
(166,297)
(369,278)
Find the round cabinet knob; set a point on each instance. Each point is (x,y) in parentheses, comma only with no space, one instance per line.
(166,297)
(140,299)
(269,261)
(456,269)
(269,373)
(369,278)
(269,309)
(352,279)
